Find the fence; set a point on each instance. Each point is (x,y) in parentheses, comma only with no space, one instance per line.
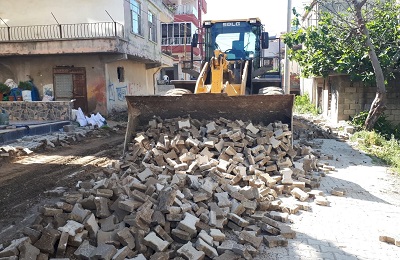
(61,31)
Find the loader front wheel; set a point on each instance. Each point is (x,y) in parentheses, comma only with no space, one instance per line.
(177,92)
(271,91)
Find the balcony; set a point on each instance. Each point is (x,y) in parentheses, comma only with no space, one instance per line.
(183,9)
(187,9)
(102,37)
(61,31)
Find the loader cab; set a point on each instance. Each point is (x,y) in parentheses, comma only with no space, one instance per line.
(239,39)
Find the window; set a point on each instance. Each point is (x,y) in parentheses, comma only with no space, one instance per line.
(136,17)
(152,27)
(121,74)
(174,34)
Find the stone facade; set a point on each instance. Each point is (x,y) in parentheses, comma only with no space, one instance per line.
(354,98)
(340,99)
(40,110)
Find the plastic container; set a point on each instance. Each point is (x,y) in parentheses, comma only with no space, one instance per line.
(27,95)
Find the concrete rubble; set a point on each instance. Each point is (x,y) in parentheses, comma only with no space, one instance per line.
(27,145)
(186,189)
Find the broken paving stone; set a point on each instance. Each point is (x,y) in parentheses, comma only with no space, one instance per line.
(338,192)
(12,249)
(188,224)
(102,208)
(48,240)
(178,234)
(287,232)
(279,216)
(287,176)
(156,243)
(299,194)
(189,252)
(238,220)
(91,225)
(104,252)
(122,253)
(394,240)
(322,201)
(209,251)
(275,241)
(228,255)
(72,228)
(206,237)
(77,240)
(126,238)
(33,234)
(28,251)
(217,235)
(250,237)
(184,124)
(242,251)
(62,244)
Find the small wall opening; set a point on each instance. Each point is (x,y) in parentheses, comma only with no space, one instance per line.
(121,74)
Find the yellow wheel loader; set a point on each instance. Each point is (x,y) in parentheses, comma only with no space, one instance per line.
(231,83)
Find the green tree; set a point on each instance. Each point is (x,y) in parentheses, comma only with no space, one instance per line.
(358,38)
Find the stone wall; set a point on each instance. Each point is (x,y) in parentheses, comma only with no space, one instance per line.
(38,110)
(355,97)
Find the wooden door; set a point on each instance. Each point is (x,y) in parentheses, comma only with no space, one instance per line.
(70,84)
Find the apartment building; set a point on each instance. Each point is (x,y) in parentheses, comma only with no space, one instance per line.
(176,36)
(94,51)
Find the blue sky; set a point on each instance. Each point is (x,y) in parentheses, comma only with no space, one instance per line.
(272,13)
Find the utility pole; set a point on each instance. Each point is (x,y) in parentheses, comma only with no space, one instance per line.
(184,46)
(288,29)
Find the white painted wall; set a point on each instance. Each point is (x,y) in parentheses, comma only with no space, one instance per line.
(38,12)
(138,82)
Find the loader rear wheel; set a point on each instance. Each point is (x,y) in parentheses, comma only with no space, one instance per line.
(177,92)
(271,91)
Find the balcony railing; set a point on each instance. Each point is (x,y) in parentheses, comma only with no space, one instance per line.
(176,41)
(62,31)
(187,9)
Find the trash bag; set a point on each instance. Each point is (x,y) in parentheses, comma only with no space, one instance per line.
(100,119)
(90,120)
(48,98)
(35,92)
(96,120)
(11,83)
(81,118)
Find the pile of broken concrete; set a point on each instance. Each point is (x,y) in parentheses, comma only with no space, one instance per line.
(186,189)
(29,144)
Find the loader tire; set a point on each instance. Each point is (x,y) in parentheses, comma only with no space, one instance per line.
(177,92)
(271,91)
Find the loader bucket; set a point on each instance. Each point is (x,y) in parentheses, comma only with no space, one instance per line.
(257,108)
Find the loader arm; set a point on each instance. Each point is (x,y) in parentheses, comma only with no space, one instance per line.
(215,69)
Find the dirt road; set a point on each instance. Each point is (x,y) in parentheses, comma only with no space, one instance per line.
(23,182)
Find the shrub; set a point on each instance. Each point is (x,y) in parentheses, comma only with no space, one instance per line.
(374,144)
(25,85)
(303,105)
(4,88)
(383,126)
